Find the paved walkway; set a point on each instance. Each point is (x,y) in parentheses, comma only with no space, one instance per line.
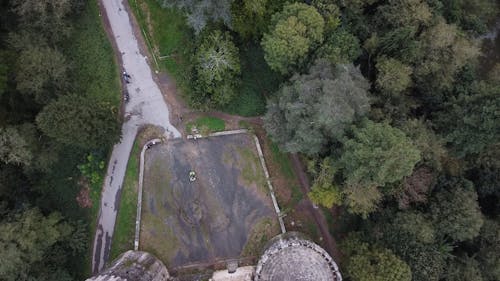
(146,106)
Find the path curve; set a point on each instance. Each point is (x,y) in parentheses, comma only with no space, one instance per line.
(146,106)
(319,217)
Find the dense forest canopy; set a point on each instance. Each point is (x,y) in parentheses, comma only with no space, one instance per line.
(390,102)
(54,111)
(397,115)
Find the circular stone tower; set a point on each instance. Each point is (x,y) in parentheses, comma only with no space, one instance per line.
(291,256)
(134,266)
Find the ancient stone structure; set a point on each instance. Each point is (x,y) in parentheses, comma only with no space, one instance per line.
(292,257)
(289,256)
(134,266)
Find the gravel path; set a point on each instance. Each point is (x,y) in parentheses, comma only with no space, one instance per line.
(146,106)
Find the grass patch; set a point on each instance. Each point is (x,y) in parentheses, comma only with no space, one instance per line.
(123,237)
(258,82)
(312,230)
(95,72)
(207,124)
(157,237)
(251,169)
(167,35)
(283,161)
(259,236)
(286,169)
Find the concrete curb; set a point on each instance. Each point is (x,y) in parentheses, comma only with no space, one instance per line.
(268,180)
(217,134)
(139,192)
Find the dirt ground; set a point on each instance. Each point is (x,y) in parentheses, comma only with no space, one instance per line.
(225,212)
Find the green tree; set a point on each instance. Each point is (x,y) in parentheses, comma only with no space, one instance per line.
(470,122)
(405,13)
(426,140)
(330,13)
(416,187)
(445,50)
(79,121)
(463,268)
(4,70)
(201,12)
(455,210)
(294,32)
(217,69)
(323,191)
(29,240)
(406,228)
(393,76)
(16,144)
(45,17)
(340,47)
(412,236)
(42,72)
(378,154)
(317,107)
(365,263)
(486,172)
(472,15)
(245,11)
(361,200)
(400,43)
(488,256)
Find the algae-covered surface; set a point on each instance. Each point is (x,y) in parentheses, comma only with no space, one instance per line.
(214,217)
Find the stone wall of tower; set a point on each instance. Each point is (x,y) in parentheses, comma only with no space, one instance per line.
(134,266)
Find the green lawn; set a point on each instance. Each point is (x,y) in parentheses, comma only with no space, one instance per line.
(283,160)
(123,237)
(286,169)
(210,124)
(94,72)
(167,35)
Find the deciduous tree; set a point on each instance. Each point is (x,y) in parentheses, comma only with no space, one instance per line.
(317,107)
(425,139)
(445,51)
(323,191)
(361,200)
(470,121)
(28,240)
(217,69)
(365,263)
(412,236)
(294,32)
(378,154)
(201,12)
(340,47)
(405,13)
(47,17)
(455,210)
(393,76)
(42,72)
(416,187)
(79,121)
(330,13)
(463,268)
(16,144)
(488,256)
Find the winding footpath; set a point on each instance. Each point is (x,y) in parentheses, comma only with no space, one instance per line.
(146,106)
